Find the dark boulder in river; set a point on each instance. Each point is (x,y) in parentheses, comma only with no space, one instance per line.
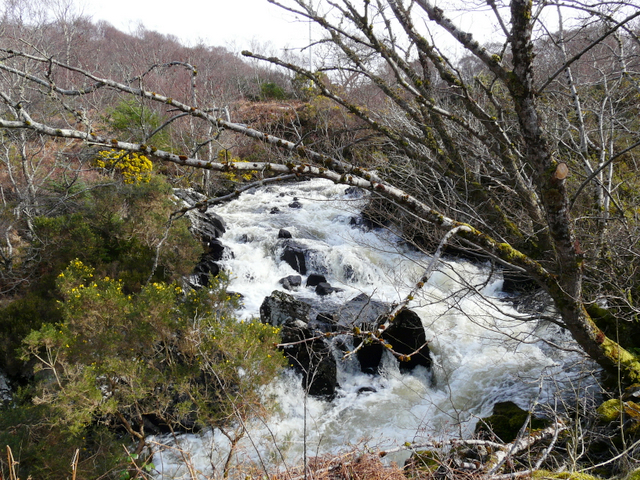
(314,356)
(309,356)
(294,254)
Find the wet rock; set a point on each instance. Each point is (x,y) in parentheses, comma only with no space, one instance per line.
(280,309)
(406,335)
(325,288)
(377,213)
(516,282)
(295,204)
(537,301)
(361,310)
(291,282)
(366,222)
(311,357)
(506,421)
(215,249)
(282,233)
(366,390)
(207,227)
(205,269)
(5,389)
(315,361)
(294,255)
(369,356)
(274,210)
(632,393)
(208,267)
(349,273)
(354,192)
(205,224)
(315,279)
(325,322)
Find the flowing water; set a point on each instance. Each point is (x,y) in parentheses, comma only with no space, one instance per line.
(483,351)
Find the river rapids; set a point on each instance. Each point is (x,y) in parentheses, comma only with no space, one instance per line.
(483,350)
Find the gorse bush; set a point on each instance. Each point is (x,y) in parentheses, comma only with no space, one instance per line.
(232,177)
(161,359)
(134,167)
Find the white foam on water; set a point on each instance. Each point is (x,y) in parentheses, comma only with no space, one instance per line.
(483,350)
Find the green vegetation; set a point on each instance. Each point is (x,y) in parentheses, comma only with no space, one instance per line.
(543,474)
(159,359)
(272,91)
(107,347)
(507,420)
(133,120)
(116,229)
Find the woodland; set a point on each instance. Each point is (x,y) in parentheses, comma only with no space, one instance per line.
(521,153)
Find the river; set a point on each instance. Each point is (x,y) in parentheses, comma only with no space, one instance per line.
(483,350)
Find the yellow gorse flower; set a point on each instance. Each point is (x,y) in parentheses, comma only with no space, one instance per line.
(133,166)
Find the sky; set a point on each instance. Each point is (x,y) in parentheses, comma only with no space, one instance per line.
(254,25)
(236,24)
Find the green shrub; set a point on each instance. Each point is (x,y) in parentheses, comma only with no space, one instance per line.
(116,229)
(134,121)
(44,451)
(120,360)
(272,91)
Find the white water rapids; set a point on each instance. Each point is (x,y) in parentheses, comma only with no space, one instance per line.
(483,351)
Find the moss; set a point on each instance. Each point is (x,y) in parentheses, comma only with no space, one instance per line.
(632,410)
(507,420)
(628,333)
(635,475)
(610,410)
(629,363)
(545,474)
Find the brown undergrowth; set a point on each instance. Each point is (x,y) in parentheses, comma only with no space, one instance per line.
(350,466)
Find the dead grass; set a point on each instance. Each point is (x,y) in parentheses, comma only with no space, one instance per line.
(346,467)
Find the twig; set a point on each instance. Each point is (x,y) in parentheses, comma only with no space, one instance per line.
(12,464)
(74,464)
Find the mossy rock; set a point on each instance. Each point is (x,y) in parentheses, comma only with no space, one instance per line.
(545,474)
(610,410)
(632,392)
(632,417)
(632,409)
(507,420)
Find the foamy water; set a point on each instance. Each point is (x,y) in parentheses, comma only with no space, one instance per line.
(483,351)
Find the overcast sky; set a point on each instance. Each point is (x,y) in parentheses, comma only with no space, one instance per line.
(231,23)
(248,24)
